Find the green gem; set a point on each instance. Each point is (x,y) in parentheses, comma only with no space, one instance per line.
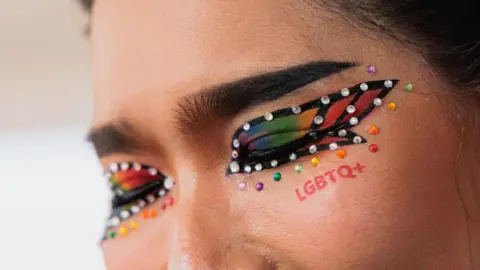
(112,235)
(298,168)
(408,87)
(277,176)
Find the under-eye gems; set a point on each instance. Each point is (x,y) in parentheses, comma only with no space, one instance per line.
(134,186)
(282,136)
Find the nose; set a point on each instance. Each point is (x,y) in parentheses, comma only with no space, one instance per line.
(207,234)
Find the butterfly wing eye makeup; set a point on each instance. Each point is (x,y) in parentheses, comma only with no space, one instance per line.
(282,136)
(134,186)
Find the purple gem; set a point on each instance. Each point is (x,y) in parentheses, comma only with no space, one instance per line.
(242,185)
(371,69)
(259,186)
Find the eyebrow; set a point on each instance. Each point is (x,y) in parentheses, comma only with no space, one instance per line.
(224,100)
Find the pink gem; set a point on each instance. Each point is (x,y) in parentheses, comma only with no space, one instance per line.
(259,186)
(242,185)
(371,69)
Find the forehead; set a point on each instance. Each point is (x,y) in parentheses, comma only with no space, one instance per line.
(171,48)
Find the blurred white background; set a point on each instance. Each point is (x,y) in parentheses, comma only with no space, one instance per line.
(53,199)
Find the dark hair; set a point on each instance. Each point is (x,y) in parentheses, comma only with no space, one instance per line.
(447,33)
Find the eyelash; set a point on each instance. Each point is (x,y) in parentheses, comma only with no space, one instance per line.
(307,125)
(134,187)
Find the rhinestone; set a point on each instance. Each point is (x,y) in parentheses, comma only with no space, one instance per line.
(152,171)
(135,209)
(274,163)
(258,167)
(342,133)
(247,169)
(234,167)
(408,87)
(371,69)
(246,126)
(124,166)
(113,167)
(353,121)
(388,84)
(124,214)
(298,168)
(108,175)
(293,156)
(345,92)
(168,183)
(141,203)
(325,100)
(259,186)
(242,185)
(312,149)
(357,139)
(236,143)
(119,192)
(150,198)
(364,87)
(137,167)
(377,102)
(268,116)
(318,120)
(234,154)
(162,192)
(115,221)
(333,146)
(351,109)
(296,109)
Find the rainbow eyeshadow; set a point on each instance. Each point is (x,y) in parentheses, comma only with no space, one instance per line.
(284,135)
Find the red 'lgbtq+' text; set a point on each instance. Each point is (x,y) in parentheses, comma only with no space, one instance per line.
(310,187)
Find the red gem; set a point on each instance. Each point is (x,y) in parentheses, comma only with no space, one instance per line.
(373,148)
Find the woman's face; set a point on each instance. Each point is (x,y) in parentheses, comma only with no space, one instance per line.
(169,75)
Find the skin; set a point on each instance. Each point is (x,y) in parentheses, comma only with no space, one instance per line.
(404,212)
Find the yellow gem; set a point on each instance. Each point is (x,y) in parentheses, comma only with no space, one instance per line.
(123,231)
(133,225)
(315,162)
(392,106)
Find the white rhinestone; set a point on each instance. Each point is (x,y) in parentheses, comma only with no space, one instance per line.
(168,183)
(135,209)
(293,156)
(296,109)
(333,146)
(350,109)
(318,120)
(115,221)
(258,167)
(274,163)
(234,167)
(312,149)
(345,92)
(124,166)
(246,126)
(152,171)
(137,167)
(236,143)
(325,100)
(162,192)
(357,139)
(150,198)
(388,84)
(113,168)
(377,102)
(353,121)
(108,175)
(247,169)
(124,214)
(141,203)
(268,116)
(342,133)
(234,154)
(364,87)
(119,192)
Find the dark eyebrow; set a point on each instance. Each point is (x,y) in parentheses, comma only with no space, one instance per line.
(220,101)
(229,99)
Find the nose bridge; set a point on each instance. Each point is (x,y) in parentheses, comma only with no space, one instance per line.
(202,224)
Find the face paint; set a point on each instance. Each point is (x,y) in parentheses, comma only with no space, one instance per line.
(310,187)
(135,186)
(279,137)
